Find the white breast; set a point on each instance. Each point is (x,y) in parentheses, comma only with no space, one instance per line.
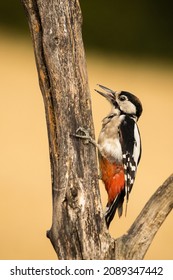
(109,144)
(111,149)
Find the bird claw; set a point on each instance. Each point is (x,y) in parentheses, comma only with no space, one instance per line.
(86,135)
(85,131)
(88,139)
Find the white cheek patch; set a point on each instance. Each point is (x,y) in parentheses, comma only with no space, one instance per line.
(127,107)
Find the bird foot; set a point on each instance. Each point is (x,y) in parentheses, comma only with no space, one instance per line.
(86,136)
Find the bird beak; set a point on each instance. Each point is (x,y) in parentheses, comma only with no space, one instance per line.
(109,95)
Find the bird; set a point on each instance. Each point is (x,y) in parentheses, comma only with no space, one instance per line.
(119,148)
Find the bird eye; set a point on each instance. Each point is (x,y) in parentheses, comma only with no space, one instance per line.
(122,98)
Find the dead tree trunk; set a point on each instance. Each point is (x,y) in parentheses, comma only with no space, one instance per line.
(78,229)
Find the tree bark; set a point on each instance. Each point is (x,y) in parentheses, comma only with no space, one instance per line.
(78,228)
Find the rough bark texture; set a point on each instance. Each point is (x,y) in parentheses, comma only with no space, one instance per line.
(78,222)
(78,229)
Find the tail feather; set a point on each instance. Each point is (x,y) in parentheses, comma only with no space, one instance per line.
(117,204)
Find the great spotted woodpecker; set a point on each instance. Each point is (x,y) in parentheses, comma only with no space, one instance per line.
(119,148)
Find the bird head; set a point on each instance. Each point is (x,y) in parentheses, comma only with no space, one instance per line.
(126,102)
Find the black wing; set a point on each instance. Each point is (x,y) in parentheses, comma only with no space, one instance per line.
(131,150)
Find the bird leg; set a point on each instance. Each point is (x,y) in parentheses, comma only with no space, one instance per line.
(86,136)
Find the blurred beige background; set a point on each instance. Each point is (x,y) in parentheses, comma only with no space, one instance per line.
(25,187)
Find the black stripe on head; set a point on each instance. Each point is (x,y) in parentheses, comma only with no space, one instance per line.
(135,100)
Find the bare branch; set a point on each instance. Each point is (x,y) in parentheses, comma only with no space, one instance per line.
(136,242)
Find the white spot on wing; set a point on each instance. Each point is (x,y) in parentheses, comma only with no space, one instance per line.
(137,146)
(132,167)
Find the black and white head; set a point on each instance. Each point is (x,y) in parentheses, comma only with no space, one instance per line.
(125,101)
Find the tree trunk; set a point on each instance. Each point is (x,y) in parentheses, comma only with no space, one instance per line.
(78,228)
